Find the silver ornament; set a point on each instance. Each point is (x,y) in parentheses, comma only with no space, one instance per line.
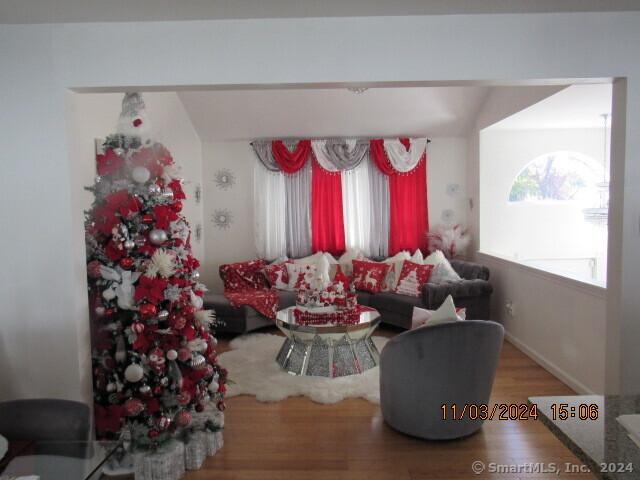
(164,381)
(163,315)
(167,193)
(134,373)
(98,179)
(124,230)
(140,174)
(154,189)
(129,244)
(145,389)
(111,387)
(195,275)
(213,387)
(139,240)
(197,361)
(158,236)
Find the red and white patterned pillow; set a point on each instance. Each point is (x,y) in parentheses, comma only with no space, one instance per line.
(412,277)
(243,275)
(301,275)
(277,275)
(369,276)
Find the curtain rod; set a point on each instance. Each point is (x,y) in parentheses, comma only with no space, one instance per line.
(330,138)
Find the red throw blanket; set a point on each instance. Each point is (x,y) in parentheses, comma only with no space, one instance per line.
(264,301)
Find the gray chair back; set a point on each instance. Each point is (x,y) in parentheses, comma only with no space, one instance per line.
(45,420)
(425,368)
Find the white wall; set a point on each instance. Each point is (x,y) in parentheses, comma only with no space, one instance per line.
(446,165)
(530,230)
(237,242)
(41,296)
(559,322)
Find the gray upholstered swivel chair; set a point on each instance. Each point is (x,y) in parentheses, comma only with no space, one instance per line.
(45,420)
(422,369)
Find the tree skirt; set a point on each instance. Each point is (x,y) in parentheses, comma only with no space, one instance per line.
(253,370)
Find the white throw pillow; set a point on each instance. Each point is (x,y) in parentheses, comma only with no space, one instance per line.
(417,257)
(311,259)
(445,314)
(346,258)
(443,271)
(391,280)
(279,260)
(305,272)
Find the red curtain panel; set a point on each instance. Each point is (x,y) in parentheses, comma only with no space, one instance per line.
(291,162)
(327,223)
(409,222)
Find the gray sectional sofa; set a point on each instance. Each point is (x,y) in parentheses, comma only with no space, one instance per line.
(472,293)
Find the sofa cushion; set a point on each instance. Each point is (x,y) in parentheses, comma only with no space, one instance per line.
(392,302)
(286,299)
(224,309)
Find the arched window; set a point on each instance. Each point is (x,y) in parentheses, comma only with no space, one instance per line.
(559,176)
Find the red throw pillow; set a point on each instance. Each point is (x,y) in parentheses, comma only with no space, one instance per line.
(369,276)
(277,275)
(412,277)
(243,275)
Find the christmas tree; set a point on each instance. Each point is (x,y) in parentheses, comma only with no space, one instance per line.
(154,352)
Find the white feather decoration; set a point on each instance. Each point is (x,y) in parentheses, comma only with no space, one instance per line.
(161,264)
(204,318)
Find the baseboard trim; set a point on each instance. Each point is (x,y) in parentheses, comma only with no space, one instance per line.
(552,368)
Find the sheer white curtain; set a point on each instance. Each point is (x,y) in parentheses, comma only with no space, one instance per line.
(356,207)
(270,212)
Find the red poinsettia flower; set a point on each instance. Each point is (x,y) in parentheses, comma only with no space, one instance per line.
(176,186)
(164,216)
(150,289)
(105,219)
(142,343)
(108,162)
(123,202)
(108,419)
(114,251)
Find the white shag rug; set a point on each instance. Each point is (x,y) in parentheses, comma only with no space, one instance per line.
(253,370)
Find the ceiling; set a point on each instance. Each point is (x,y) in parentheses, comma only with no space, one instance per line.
(577,106)
(61,11)
(384,112)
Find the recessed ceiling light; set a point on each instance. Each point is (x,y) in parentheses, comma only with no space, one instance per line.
(357,90)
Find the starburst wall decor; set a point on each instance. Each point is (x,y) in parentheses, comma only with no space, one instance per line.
(224,179)
(222,219)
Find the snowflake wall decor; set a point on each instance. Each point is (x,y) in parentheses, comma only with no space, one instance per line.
(224,179)
(222,219)
(448,216)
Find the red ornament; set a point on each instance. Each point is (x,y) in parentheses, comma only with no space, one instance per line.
(178,322)
(147,218)
(148,310)
(184,398)
(137,327)
(133,407)
(221,405)
(109,311)
(94,269)
(153,433)
(184,354)
(199,408)
(156,359)
(189,309)
(157,390)
(137,122)
(163,423)
(183,418)
(222,388)
(126,263)
(176,206)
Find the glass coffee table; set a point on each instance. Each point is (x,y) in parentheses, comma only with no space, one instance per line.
(327,350)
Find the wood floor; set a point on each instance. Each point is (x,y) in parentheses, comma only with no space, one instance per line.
(299,439)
